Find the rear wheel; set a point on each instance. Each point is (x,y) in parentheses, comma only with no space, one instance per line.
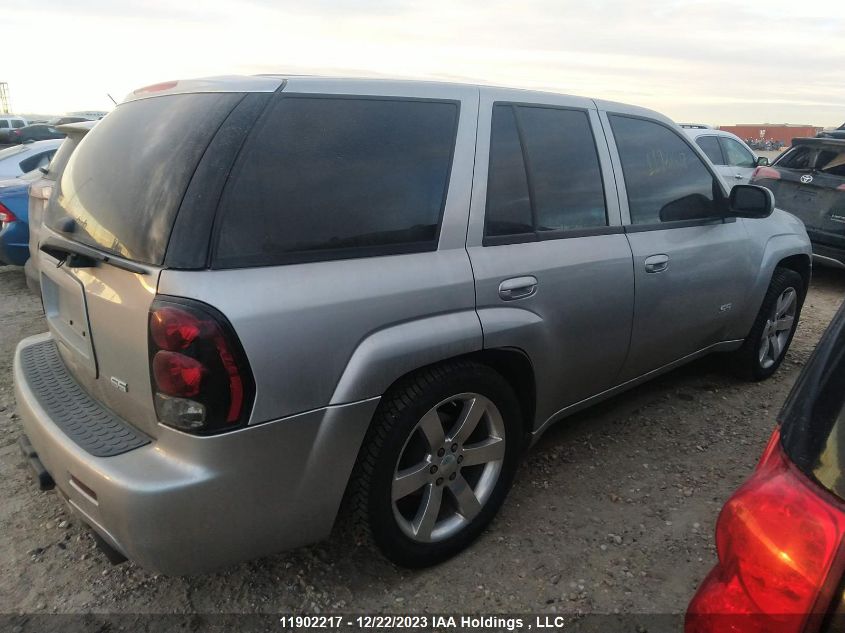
(770,337)
(437,462)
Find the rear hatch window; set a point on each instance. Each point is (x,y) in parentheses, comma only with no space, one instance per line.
(124,183)
(813,419)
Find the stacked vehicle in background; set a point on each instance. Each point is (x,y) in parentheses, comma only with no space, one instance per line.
(808,180)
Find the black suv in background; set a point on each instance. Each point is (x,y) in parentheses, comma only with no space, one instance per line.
(808,180)
(837,133)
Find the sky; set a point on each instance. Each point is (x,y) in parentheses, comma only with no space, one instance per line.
(715,62)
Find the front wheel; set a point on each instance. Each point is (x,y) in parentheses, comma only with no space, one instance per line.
(437,462)
(770,337)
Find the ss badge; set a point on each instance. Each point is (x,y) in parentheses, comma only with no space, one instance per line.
(119,384)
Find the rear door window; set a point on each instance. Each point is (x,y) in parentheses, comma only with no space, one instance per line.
(544,177)
(4,124)
(337,177)
(710,146)
(736,154)
(124,183)
(665,179)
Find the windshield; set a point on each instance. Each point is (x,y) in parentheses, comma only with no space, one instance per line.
(124,183)
(827,158)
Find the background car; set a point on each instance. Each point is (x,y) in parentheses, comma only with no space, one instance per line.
(14,229)
(808,180)
(37,132)
(21,159)
(733,159)
(780,536)
(837,133)
(8,123)
(40,190)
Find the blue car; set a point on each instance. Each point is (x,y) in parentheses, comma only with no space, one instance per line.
(14,220)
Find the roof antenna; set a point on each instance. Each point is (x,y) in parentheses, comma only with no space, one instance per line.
(112,98)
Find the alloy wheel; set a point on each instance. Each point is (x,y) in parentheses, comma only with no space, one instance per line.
(448,467)
(778,328)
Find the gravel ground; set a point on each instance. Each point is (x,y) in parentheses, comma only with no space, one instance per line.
(613,511)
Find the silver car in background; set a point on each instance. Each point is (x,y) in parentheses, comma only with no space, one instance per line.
(266,295)
(733,159)
(40,191)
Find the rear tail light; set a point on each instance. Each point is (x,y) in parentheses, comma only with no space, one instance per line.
(765,173)
(200,376)
(778,540)
(841,188)
(6,216)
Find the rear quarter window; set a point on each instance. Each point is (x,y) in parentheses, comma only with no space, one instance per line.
(326,177)
(124,183)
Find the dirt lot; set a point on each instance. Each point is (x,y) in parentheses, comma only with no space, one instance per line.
(613,511)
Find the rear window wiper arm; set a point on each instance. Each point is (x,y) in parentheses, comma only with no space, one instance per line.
(80,256)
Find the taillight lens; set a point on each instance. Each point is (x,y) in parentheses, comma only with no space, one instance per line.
(6,216)
(778,538)
(199,371)
(767,173)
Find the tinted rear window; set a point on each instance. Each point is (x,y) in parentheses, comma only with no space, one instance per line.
(813,418)
(124,183)
(544,177)
(337,177)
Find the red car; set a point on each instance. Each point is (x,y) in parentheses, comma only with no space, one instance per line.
(780,538)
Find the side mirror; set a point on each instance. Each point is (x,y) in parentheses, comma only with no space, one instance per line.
(751,201)
(762,161)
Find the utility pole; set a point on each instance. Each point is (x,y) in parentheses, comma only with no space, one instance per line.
(5,104)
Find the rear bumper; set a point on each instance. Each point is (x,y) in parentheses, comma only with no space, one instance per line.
(828,248)
(33,278)
(183,504)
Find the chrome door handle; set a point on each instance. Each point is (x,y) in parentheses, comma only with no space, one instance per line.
(738,176)
(518,288)
(656,263)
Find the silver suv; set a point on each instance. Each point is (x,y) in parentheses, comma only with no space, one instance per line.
(267,295)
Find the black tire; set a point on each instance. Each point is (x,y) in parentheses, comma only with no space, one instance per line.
(746,361)
(394,426)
